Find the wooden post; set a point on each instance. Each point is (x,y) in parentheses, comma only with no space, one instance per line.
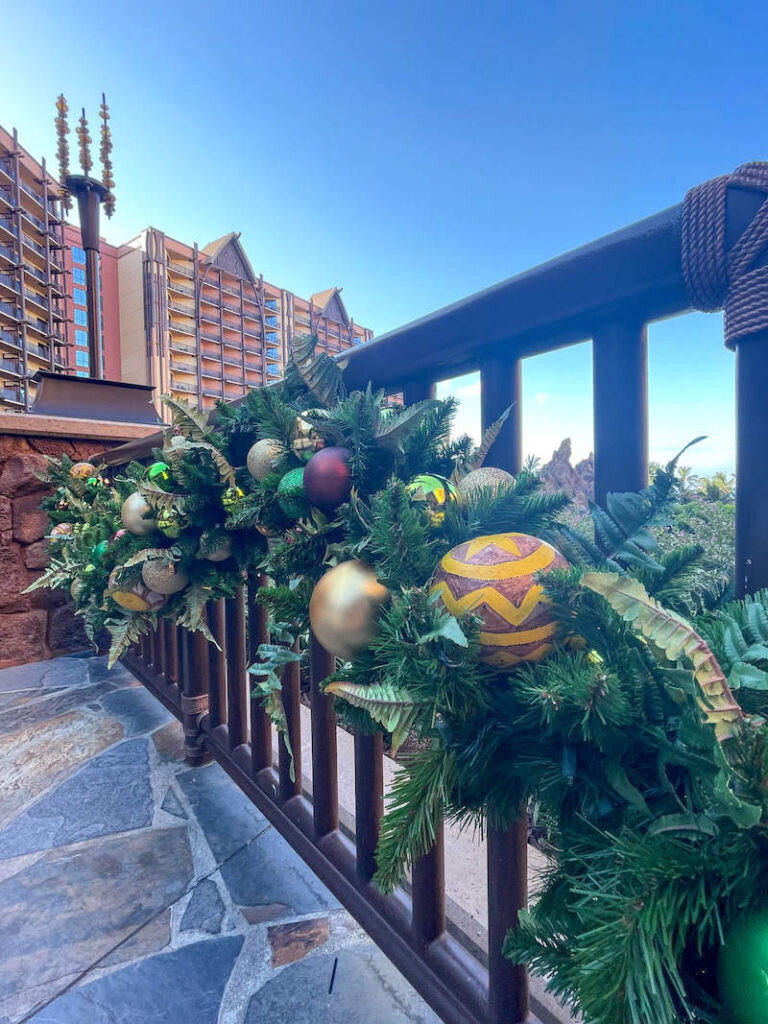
(620,374)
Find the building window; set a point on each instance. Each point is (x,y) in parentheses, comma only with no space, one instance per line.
(78,275)
(82,373)
(79,296)
(81,337)
(81,317)
(78,254)
(81,358)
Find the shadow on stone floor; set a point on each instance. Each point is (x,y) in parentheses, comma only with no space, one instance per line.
(135,889)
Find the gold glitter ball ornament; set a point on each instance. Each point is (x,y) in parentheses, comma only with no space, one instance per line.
(485,478)
(345,606)
(135,515)
(82,470)
(262,457)
(163,576)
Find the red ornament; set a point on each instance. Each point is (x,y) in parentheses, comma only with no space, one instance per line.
(327,478)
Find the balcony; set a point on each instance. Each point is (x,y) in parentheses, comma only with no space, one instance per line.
(180,308)
(182,346)
(36,298)
(210,336)
(178,385)
(9,309)
(180,268)
(181,328)
(10,367)
(180,365)
(182,288)
(8,338)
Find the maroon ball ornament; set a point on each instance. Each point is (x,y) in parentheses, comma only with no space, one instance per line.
(327,479)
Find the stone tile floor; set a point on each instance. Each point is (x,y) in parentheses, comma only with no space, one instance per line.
(134,889)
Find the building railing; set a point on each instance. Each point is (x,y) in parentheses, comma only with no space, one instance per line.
(606,292)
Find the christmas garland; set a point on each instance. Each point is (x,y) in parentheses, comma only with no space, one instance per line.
(581,671)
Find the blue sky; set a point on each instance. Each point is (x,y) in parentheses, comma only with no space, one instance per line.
(416,152)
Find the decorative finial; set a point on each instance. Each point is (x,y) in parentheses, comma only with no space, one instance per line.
(84,139)
(62,150)
(107,177)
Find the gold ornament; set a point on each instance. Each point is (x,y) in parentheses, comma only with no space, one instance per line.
(494,578)
(486,478)
(305,441)
(134,597)
(163,576)
(135,509)
(262,457)
(344,607)
(82,470)
(76,589)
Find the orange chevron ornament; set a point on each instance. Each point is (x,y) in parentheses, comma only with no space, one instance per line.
(494,578)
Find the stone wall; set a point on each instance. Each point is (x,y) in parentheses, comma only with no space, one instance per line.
(42,624)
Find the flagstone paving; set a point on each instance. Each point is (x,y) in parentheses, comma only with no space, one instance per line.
(135,889)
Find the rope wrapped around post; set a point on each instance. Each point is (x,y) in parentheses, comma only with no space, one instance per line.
(717,278)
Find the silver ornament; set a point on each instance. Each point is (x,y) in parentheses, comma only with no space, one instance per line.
(135,508)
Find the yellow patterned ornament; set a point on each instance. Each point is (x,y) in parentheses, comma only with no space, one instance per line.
(493,577)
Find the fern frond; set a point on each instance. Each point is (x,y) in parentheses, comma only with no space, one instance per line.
(193,422)
(391,706)
(678,639)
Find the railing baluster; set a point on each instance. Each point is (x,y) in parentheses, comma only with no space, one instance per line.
(325,783)
(500,378)
(237,691)
(218,663)
(289,787)
(261,730)
(194,695)
(369,796)
(151,651)
(507,853)
(620,381)
(428,882)
(173,655)
(162,648)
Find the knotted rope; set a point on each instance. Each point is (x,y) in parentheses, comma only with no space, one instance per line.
(716,279)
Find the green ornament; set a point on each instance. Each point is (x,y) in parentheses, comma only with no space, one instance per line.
(742,970)
(435,492)
(291,496)
(93,481)
(170,522)
(89,570)
(159,473)
(100,550)
(230,498)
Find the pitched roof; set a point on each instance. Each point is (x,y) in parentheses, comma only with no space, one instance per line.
(331,304)
(229,253)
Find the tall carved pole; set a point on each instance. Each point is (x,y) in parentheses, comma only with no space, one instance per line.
(90,194)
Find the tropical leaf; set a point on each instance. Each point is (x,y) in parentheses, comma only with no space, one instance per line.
(316,371)
(391,706)
(267,672)
(478,457)
(678,639)
(159,498)
(126,632)
(393,429)
(193,422)
(142,556)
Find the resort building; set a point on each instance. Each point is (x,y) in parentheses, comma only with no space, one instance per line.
(32,282)
(193,322)
(200,323)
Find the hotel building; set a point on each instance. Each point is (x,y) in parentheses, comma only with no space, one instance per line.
(32,279)
(193,322)
(201,324)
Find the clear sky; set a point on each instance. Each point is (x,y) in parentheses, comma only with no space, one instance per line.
(416,152)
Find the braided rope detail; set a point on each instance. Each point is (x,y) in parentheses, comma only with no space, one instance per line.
(719,280)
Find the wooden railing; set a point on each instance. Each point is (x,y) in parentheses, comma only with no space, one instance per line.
(607,292)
